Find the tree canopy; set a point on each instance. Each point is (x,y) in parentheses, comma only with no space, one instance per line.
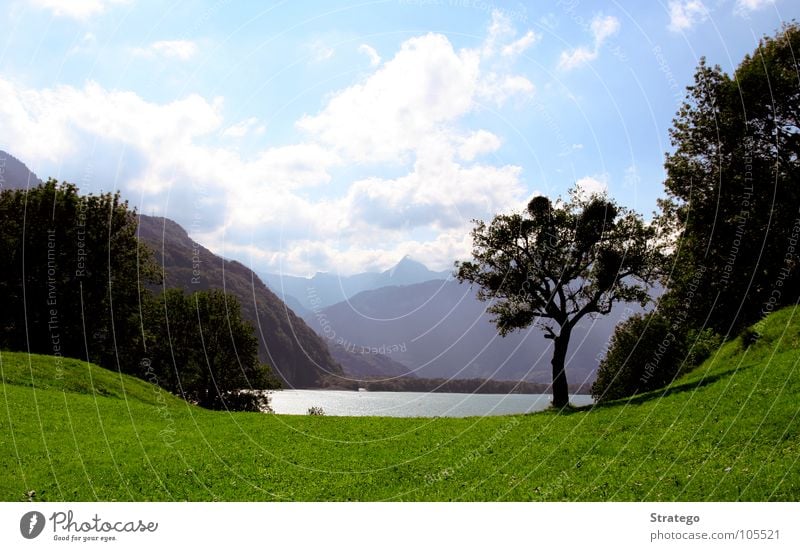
(557,263)
(732,195)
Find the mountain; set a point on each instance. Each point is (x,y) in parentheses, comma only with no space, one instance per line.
(361,363)
(298,355)
(440,330)
(14,174)
(324,289)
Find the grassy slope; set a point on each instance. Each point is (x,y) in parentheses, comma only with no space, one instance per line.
(727,431)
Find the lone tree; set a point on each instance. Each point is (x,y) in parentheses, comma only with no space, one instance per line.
(557,263)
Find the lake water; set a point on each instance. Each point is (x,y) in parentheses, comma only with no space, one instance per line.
(411,404)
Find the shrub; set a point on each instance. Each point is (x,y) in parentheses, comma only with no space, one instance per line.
(646,353)
(749,337)
(316,410)
(700,344)
(242,400)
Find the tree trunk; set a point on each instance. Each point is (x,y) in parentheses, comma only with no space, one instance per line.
(560,387)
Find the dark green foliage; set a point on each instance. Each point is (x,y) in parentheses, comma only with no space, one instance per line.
(646,353)
(749,337)
(560,263)
(72,274)
(199,347)
(733,193)
(73,285)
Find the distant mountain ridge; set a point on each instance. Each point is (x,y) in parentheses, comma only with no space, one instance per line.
(14,174)
(295,353)
(438,329)
(325,289)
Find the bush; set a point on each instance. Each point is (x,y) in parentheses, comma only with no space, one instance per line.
(749,337)
(316,410)
(701,345)
(647,352)
(242,400)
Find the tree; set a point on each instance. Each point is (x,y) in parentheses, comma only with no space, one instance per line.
(733,198)
(72,274)
(557,263)
(647,352)
(199,347)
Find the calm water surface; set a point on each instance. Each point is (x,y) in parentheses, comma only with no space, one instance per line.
(411,404)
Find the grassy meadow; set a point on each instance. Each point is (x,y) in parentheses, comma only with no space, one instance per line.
(729,430)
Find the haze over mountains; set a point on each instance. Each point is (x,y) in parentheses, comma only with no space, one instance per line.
(438,329)
(326,289)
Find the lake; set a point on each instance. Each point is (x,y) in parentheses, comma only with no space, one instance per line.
(411,404)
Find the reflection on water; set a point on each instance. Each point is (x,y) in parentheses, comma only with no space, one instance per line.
(411,404)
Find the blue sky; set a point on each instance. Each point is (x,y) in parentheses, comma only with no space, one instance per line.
(331,136)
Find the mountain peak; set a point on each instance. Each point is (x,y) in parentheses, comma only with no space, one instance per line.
(407,266)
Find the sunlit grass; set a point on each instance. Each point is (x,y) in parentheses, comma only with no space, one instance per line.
(726,431)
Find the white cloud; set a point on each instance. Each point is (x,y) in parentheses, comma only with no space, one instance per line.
(425,85)
(519,46)
(243,128)
(371,53)
(685,14)
(477,143)
(86,44)
(423,88)
(410,111)
(571,59)
(76,9)
(176,49)
(592,185)
(744,7)
(319,51)
(602,28)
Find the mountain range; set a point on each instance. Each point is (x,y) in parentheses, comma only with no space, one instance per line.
(438,329)
(305,294)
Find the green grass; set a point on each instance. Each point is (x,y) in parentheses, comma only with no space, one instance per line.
(727,431)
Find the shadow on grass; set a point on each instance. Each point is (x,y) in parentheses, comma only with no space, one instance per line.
(668,391)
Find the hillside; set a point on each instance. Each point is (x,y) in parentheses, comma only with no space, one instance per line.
(14,174)
(730,430)
(438,329)
(297,354)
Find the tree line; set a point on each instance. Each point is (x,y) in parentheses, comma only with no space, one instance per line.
(77,282)
(723,246)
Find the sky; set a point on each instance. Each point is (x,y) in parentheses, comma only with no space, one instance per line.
(299,136)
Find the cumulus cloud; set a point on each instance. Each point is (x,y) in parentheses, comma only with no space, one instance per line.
(175,49)
(423,88)
(745,7)
(371,53)
(602,28)
(243,128)
(76,9)
(409,114)
(685,14)
(592,185)
(519,46)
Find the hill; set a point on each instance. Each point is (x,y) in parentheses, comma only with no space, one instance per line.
(14,174)
(730,430)
(438,329)
(295,353)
